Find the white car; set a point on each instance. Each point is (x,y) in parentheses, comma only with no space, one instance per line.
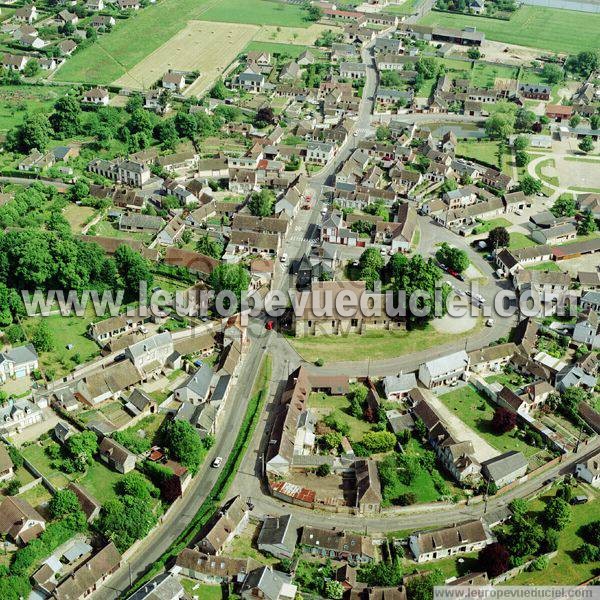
(283,258)
(217,462)
(489,323)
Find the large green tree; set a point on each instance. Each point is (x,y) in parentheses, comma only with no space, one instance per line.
(416,274)
(66,118)
(63,503)
(125,520)
(33,132)
(261,203)
(454,258)
(184,444)
(228,277)
(209,246)
(133,269)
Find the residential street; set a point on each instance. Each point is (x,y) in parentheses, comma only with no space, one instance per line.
(153,546)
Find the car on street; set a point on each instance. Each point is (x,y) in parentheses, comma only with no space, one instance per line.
(217,462)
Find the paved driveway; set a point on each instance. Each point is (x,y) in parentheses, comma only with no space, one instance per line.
(460,432)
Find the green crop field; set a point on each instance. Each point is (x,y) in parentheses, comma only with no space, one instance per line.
(257,12)
(534,26)
(131,40)
(292,50)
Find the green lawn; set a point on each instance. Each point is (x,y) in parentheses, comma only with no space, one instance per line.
(476,412)
(422,485)
(485,151)
(520,240)
(17,101)
(37,457)
(372,344)
(100,481)
(64,331)
(108,229)
(454,566)
(324,404)
(244,546)
(257,12)
(483,75)
(202,590)
(36,496)
(489,225)
(545,266)
(543,164)
(408,8)
(535,26)
(510,380)
(562,569)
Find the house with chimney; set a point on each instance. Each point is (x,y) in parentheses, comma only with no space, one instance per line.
(450,541)
(116,456)
(90,574)
(267,584)
(228,522)
(211,569)
(278,536)
(19,521)
(337,544)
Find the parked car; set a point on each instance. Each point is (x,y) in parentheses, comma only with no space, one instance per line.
(579,500)
(217,462)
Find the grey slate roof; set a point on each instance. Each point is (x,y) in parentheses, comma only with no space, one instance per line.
(504,465)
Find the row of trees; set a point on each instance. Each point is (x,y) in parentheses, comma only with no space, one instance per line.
(410,275)
(528,535)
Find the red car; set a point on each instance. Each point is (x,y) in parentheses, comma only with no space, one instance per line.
(269,325)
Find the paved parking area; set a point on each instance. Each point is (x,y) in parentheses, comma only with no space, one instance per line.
(580,173)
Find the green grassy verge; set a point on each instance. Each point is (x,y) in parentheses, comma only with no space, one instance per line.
(373,344)
(226,476)
(257,12)
(535,26)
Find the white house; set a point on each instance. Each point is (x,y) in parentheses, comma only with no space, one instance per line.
(18,414)
(319,152)
(18,362)
(96,96)
(445,370)
(590,470)
(152,353)
(448,541)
